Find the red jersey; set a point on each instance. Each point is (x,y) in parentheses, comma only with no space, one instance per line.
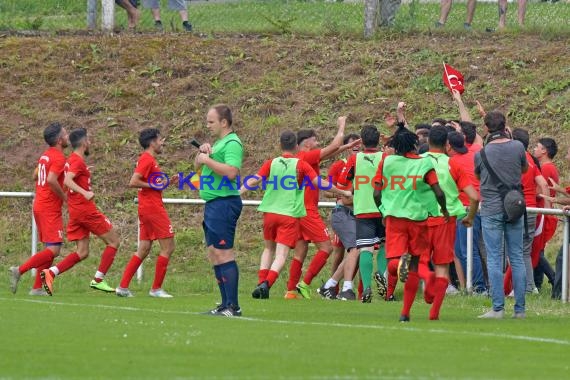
(76,203)
(467,162)
(313,158)
(528,182)
(304,170)
(334,171)
(150,199)
(549,170)
(51,161)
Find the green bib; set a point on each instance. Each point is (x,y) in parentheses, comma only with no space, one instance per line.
(283,195)
(440,162)
(364,171)
(404,192)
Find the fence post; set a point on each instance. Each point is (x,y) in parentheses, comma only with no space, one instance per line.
(370,17)
(140,268)
(108,19)
(91,14)
(565,259)
(34,238)
(469,274)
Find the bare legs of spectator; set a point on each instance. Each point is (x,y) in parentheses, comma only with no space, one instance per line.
(503,13)
(133,13)
(446,7)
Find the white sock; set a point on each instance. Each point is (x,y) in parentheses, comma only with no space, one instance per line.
(347,286)
(99,275)
(54,270)
(330,283)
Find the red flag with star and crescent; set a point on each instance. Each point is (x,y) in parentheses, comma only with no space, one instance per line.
(453,79)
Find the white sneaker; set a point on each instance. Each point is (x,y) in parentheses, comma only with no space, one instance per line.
(451,290)
(123,292)
(159,293)
(492,314)
(14,278)
(38,292)
(535,290)
(511,294)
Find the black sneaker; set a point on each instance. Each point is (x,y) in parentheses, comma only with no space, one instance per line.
(367,295)
(327,293)
(346,295)
(381,284)
(158,25)
(404,267)
(391,299)
(215,311)
(261,291)
(187,26)
(404,318)
(230,311)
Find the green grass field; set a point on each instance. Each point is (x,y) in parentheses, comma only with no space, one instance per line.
(86,334)
(280,16)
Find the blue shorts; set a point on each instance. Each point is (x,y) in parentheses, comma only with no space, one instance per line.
(220,220)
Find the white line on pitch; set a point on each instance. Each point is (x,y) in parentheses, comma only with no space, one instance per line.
(305,323)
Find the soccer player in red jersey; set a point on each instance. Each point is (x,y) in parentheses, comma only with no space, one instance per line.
(84,218)
(47,207)
(154,222)
(312,226)
(286,179)
(404,183)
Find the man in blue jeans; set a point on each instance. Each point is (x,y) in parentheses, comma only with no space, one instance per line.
(508,159)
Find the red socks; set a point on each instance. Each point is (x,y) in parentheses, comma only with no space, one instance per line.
(439,288)
(262,275)
(429,291)
(315,266)
(68,262)
(130,270)
(107,259)
(410,290)
(38,260)
(392,277)
(160,271)
(271,277)
(38,280)
(294,274)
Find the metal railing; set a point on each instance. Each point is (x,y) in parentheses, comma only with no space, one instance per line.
(469,269)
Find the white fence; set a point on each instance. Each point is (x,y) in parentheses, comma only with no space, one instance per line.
(469,269)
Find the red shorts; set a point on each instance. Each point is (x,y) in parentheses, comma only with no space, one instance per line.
(281,229)
(336,241)
(405,236)
(442,242)
(50,226)
(81,225)
(155,226)
(313,228)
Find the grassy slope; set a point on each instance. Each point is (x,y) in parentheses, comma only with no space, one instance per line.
(117,85)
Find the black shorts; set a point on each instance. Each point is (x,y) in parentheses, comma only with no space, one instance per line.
(369,232)
(220,220)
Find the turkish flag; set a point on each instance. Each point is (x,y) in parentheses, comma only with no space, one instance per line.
(452,78)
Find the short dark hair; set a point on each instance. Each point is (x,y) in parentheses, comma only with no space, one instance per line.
(304,134)
(469,130)
(438,120)
(550,146)
(370,136)
(288,141)
(224,113)
(146,136)
(495,121)
(352,136)
(521,135)
(404,141)
(52,132)
(422,126)
(437,136)
(76,137)
(423,148)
